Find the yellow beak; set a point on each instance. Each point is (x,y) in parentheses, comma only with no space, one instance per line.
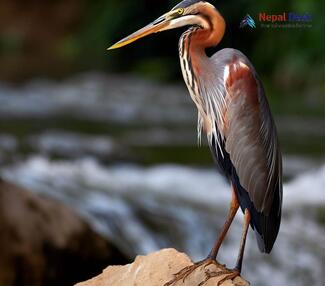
(158,25)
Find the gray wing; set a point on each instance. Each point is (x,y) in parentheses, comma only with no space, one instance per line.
(250,134)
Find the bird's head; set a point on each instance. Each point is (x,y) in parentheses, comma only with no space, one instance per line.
(186,13)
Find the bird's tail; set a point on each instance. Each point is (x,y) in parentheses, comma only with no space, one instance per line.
(268,229)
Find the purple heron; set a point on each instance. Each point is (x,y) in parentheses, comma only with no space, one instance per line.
(234,113)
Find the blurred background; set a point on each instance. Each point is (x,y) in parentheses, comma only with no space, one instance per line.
(112,137)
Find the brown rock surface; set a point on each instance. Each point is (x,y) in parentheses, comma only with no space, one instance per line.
(42,242)
(156,269)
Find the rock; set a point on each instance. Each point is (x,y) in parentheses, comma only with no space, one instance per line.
(156,269)
(42,242)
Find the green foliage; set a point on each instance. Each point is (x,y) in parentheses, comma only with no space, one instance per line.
(10,43)
(290,61)
(108,21)
(154,68)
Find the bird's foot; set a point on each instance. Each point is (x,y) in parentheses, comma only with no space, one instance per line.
(185,272)
(227,273)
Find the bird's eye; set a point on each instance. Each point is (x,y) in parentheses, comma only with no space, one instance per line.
(180,11)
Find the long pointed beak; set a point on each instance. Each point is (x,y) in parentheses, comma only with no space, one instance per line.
(156,26)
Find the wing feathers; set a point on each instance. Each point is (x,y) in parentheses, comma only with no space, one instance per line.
(250,136)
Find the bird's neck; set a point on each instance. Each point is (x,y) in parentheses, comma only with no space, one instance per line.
(212,33)
(196,39)
(191,64)
(195,63)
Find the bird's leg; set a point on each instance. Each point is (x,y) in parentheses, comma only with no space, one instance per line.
(232,274)
(211,259)
(234,205)
(247,219)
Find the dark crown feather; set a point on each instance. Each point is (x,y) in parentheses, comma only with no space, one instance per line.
(187,3)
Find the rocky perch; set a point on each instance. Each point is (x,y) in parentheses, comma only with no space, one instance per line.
(158,268)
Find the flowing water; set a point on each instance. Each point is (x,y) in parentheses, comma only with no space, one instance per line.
(104,146)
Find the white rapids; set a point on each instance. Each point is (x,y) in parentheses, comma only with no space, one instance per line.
(143,209)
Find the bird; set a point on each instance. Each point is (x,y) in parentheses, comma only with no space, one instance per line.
(234,114)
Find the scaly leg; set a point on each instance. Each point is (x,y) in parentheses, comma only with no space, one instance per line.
(231,274)
(247,219)
(211,259)
(234,205)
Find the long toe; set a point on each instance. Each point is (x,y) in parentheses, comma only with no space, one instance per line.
(185,272)
(224,275)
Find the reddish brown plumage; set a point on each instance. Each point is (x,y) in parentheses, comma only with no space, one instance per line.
(240,78)
(205,38)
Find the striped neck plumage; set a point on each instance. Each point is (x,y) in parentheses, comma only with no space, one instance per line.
(196,66)
(189,75)
(186,60)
